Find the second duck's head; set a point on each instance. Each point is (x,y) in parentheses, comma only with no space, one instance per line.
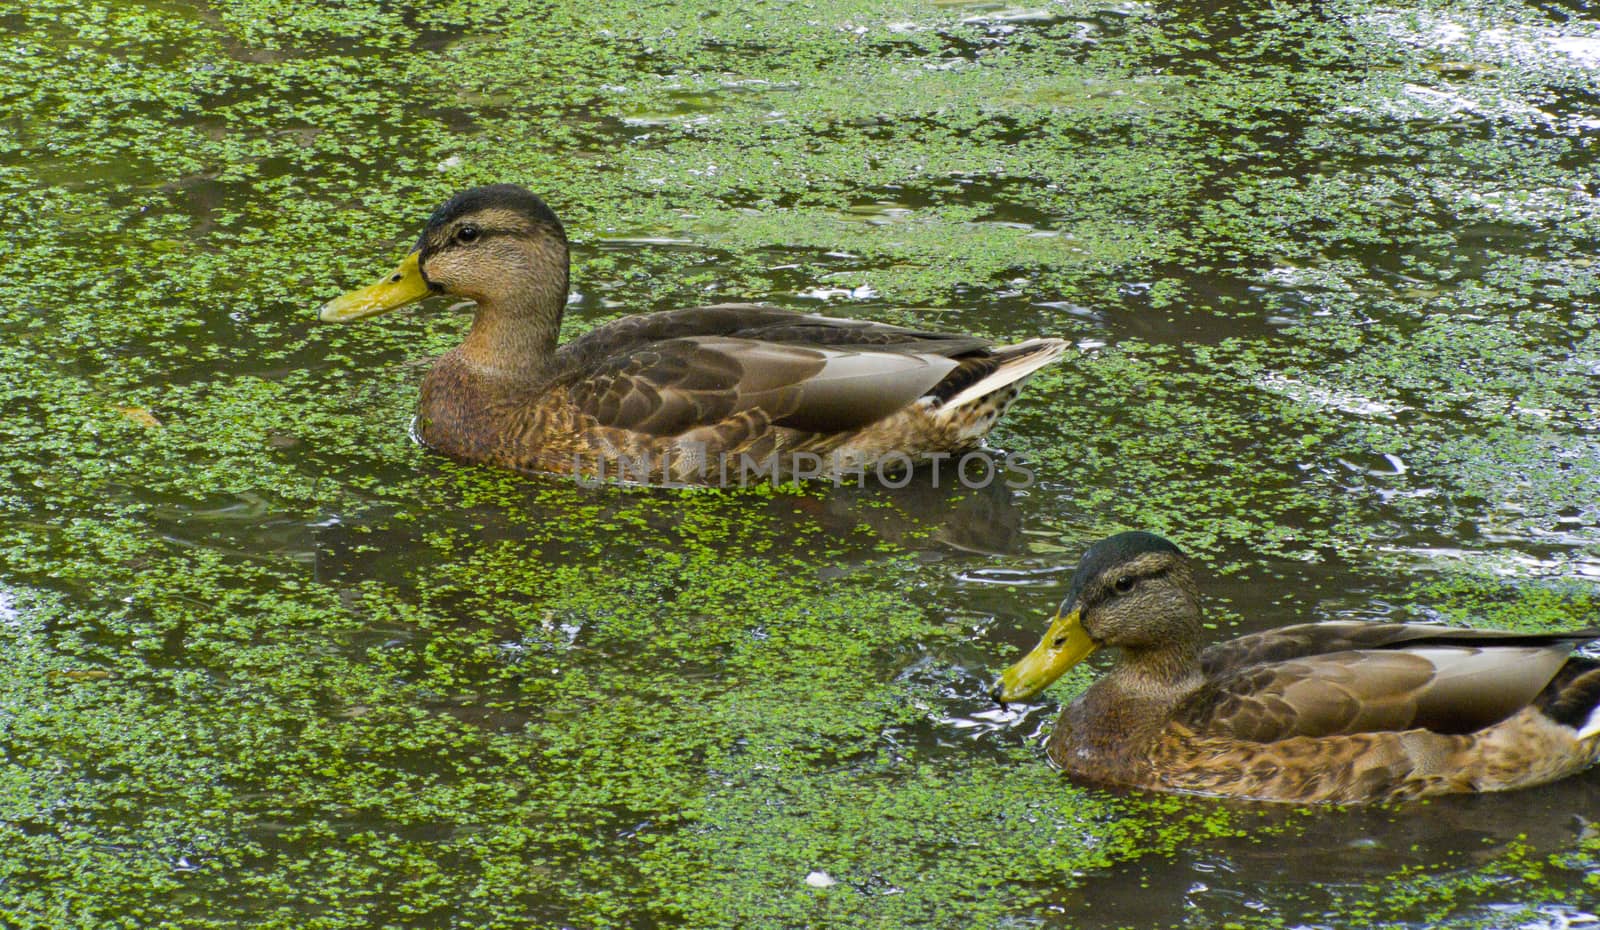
(1135,591)
(498,245)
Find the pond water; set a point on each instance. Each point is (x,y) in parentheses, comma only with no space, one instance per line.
(1330,277)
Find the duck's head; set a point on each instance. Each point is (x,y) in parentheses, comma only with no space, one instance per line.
(498,245)
(1133,590)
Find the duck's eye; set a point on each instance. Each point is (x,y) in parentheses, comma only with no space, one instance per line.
(468,233)
(1123,585)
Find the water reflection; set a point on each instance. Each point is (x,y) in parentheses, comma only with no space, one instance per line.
(1295,864)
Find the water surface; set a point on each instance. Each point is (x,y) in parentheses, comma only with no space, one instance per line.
(1331,281)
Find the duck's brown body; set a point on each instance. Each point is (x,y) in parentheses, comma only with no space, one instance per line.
(721,395)
(1323,712)
(714,395)
(1363,728)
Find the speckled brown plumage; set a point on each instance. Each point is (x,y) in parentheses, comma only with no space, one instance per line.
(714,395)
(1344,712)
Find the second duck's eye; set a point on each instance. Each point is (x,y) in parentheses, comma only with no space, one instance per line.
(1123,585)
(467,233)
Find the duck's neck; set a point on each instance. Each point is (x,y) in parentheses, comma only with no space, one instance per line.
(514,333)
(1156,672)
(1165,664)
(1109,730)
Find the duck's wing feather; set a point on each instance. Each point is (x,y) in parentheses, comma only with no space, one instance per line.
(671,386)
(827,331)
(1447,687)
(1312,639)
(765,324)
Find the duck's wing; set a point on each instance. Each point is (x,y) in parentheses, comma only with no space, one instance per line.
(672,386)
(763,324)
(1313,639)
(1445,683)
(813,330)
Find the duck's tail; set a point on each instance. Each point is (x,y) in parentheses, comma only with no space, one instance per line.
(1573,698)
(978,392)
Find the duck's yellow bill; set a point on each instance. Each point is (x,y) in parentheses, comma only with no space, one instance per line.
(403,286)
(1065,645)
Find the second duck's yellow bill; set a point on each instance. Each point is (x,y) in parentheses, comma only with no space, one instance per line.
(1064,645)
(404,285)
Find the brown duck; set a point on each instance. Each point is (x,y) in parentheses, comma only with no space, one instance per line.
(707,395)
(1344,712)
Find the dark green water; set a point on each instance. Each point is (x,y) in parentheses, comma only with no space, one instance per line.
(1331,276)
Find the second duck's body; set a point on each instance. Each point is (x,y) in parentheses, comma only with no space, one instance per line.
(714,395)
(1344,711)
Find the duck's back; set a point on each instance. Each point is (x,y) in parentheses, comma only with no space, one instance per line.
(1366,711)
(595,349)
(744,385)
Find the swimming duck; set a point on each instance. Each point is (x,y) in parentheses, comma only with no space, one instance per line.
(1342,711)
(707,395)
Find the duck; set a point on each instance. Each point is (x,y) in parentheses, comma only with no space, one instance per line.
(704,395)
(1346,712)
